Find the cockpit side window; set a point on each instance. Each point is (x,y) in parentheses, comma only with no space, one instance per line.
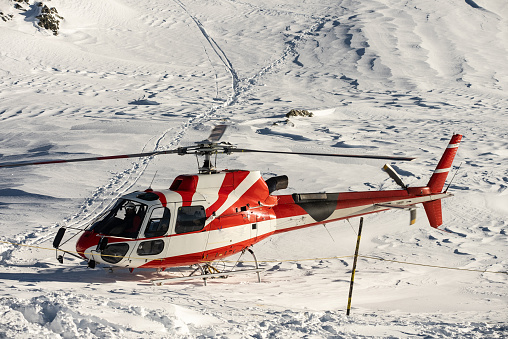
(159,222)
(190,219)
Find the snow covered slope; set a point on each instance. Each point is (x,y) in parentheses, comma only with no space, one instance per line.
(381,76)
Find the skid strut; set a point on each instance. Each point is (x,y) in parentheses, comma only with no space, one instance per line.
(255,261)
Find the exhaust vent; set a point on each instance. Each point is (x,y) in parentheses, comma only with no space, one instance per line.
(277,183)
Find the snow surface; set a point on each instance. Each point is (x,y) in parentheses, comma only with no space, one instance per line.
(382,77)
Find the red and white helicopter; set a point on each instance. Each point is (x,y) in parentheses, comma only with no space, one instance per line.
(214,214)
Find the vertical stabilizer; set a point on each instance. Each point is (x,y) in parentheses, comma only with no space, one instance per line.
(438,178)
(434,212)
(437,181)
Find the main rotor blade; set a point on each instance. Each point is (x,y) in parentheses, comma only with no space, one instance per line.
(217,133)
(112,157)
(243,150)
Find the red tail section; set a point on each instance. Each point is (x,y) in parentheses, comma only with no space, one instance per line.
(434,212)
(437,181)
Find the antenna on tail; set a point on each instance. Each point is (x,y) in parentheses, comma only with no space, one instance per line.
(447,187)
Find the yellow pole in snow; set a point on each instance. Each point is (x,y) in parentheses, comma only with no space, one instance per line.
(354,267)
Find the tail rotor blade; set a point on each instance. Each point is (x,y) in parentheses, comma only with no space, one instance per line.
(394,175)
(412,216)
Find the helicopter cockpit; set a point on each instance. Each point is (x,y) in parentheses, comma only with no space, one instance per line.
(123,220)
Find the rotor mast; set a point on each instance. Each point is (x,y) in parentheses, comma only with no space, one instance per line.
(211,146)
(207,149)
(207,164)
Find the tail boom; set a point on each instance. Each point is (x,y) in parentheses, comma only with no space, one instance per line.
(304,210)
(293,215)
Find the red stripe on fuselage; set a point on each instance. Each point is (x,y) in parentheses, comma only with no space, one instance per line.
(162,198)
(228,185)
(185,185)
(186,197)
(233,216)
(205,256)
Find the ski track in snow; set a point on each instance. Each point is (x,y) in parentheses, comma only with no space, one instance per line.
(379,75)
(121,183)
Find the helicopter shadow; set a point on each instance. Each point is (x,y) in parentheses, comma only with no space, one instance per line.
(78,275)
(100,275)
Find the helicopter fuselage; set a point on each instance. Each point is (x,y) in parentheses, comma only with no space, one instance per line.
(201,218)
(207,217)
(214,214)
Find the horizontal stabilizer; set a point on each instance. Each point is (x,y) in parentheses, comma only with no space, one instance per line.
(412,210)
(401,207)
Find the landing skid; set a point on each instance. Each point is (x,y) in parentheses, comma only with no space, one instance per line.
(207,271)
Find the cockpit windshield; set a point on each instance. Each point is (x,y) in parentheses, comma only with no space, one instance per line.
(122,220)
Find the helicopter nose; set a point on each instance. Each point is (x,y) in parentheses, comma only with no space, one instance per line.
(87,240)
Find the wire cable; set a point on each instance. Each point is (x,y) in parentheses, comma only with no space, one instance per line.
(278,261)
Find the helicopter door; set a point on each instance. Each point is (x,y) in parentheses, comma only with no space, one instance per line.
(152,243)
(189,237)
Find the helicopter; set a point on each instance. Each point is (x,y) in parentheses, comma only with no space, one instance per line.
(205,217)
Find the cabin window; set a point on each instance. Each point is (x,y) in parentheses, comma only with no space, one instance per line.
(148,196)
(152,247)
(159,223)
(114,253)
(190,219)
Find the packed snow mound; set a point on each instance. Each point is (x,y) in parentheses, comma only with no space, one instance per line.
(380,77)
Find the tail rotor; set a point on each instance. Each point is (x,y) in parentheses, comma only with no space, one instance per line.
(395,176)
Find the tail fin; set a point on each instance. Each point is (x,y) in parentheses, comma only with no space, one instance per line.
(437,181)
(434,213)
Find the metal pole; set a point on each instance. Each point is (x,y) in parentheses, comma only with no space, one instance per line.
(354,267)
